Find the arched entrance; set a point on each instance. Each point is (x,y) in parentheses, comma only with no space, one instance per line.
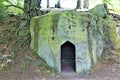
(68,57)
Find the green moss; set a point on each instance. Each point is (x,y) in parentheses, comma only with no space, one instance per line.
(99,10)
(84,29)
(113,34)
(45,22)
(34,39)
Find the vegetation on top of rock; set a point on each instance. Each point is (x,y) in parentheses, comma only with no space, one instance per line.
(99,10)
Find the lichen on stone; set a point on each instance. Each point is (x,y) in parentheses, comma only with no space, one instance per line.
(88,31)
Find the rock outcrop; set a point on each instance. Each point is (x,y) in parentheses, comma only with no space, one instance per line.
(90,32)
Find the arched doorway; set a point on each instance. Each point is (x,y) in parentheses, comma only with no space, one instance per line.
(67,57)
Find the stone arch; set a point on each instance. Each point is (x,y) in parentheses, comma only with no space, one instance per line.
(68,57)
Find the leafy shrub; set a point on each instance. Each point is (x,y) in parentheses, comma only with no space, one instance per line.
(2,10)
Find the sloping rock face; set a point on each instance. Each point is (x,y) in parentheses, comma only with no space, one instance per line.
(90,32)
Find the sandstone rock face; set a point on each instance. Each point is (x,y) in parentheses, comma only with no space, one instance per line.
(85,30)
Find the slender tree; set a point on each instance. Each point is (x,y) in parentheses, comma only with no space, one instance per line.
(48,3)
(38,3)
(78,6)
(86,4)
(58,5)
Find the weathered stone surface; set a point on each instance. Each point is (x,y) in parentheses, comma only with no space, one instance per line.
(85,30)
(99,10)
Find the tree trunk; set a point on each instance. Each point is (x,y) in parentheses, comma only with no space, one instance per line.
(58,5)
(86,4)
(48,3)
(30,10)
(38,4)
(78,4)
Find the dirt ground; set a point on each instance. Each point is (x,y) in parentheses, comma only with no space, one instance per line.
(104,71)
(25,66)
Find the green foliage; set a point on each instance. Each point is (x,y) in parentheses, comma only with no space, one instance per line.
(14,6)
(15,10)
(78,4)
(2,10)
(20,4)
(106,1)
(115,8)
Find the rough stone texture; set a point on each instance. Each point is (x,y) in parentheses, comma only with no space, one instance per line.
(118,30)
(86,30)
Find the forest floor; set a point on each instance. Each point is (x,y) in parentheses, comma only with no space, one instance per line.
(23,65)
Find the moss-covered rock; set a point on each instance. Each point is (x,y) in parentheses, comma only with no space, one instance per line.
(99,10)
(85,30)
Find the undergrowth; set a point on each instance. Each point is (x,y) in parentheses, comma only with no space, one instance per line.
(15,47)
(10,42)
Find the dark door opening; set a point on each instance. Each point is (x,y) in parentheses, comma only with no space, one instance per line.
(68,57)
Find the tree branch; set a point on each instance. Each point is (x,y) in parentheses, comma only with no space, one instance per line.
(15,6)
(11,4)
